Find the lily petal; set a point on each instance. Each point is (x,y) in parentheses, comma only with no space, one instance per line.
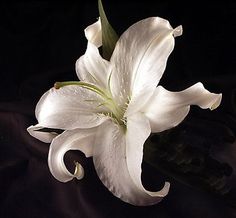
(46,137)
(167,109)
(140,58)
(69,107)
(91,67)
(93,33)
(138,130)
(110,163)
(77,139)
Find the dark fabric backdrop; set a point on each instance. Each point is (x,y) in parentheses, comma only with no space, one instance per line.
(40,42)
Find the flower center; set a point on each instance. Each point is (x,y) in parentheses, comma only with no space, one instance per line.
(116,112)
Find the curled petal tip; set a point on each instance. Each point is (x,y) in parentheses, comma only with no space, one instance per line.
(178,31)
(162,193)
(216,102)
(46,137)
(93,33)
(166,189)
(79,171)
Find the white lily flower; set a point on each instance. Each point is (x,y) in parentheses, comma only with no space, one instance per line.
(111,112)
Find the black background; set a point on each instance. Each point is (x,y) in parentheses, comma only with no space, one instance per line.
(39,44)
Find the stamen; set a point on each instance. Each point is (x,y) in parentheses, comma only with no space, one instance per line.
(85,85)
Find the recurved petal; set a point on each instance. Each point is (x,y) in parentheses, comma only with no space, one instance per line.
(46,137)
(92,68)
(77,139)
(93,33)
(110,163)
(167,109)
(140,58)
(69,107)
(138,130)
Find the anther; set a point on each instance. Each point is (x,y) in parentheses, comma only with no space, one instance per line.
(57,85)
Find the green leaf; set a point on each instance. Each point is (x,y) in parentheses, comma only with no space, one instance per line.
(109,36)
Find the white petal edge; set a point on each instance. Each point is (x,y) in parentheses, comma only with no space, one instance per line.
(70,107)
(93,33)
(138,130)
(178,31)
(110,163)
(78,139)
(92,68)
(139,60)
(166,109)
(46,137)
